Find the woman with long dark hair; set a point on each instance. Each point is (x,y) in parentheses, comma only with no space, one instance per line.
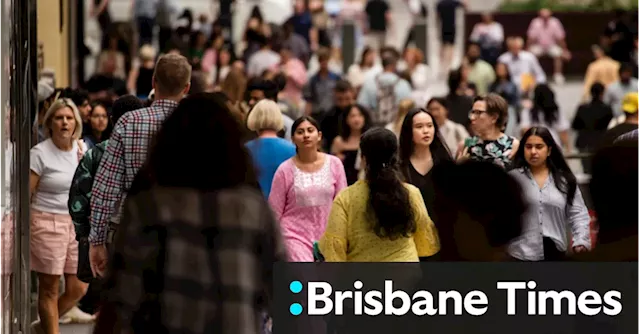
(555,202)
(184,223)
(303,190)
(345,146)
(380,218)
(421,148)
(100,125)
(546,113)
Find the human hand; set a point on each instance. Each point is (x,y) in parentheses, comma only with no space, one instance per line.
(98,260)
(579,249)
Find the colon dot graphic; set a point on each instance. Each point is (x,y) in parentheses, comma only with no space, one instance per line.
(295,308)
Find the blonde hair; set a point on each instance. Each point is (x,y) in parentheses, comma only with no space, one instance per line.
(403,109)
(147,53)
(265,115)
(57,105)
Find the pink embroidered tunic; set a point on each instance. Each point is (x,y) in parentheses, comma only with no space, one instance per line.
(302,201)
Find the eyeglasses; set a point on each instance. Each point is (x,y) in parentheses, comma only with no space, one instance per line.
(476,113)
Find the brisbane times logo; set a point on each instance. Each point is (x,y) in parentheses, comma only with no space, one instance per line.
(319,298)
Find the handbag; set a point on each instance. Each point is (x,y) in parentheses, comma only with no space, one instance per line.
(84,265)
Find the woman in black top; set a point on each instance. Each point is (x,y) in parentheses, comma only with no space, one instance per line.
(421,148)
(345,146)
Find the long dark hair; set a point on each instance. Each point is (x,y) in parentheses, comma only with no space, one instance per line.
(544,100)
(182,138)
(562,175)
(388,197)
(107,131)
(439,150)
(345,129)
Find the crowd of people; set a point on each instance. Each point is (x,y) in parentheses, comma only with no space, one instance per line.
(299,162)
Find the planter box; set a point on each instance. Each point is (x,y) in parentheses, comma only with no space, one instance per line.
(583,29)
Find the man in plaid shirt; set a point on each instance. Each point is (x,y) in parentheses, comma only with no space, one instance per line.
(127,151)
(633,135)
(188,261)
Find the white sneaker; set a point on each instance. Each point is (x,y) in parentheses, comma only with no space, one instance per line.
(76,316)
(558,78)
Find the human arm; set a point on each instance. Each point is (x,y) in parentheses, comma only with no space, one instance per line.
(34,179)
(334,244)
(514,150)
(37,168)
(339,175)
(532,32)
(579,220)
(537,70)
(336,147)
(278,194)
(426,235)
(80,195)
(475,33)
(97,10)
(108,186)
(132,80)
(462,152)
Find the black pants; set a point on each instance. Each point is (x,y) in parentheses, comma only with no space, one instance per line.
(145,29)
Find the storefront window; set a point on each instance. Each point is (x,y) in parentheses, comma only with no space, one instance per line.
(17,103)
(7,226)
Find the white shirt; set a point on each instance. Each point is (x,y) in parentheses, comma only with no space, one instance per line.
(492,33)
(261,61)
(56,169)
(525,63)
(547,217)
(560,125)
(420,76)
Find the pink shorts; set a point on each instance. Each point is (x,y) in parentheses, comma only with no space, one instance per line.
(54,249)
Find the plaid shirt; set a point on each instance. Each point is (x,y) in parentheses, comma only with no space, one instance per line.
(126,153)
(633,135)
(192,262)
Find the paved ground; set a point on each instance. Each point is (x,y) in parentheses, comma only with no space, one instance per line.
(75,329)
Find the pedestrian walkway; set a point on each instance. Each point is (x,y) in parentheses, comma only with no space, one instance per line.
(76,329)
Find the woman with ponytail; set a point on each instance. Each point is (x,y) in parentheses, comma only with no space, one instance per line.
(380,218)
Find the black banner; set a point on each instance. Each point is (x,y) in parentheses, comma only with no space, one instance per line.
(456,298)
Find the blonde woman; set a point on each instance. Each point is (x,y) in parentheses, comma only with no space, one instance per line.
(141,74)
(268,150)
(54,249)
(403,108)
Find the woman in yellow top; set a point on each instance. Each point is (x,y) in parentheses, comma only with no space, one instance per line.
(379,219)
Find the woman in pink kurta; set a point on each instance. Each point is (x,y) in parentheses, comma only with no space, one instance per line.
(303,190)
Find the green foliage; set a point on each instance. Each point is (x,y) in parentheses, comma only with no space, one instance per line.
(566,5)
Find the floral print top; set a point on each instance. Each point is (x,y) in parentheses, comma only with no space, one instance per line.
(495,151)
